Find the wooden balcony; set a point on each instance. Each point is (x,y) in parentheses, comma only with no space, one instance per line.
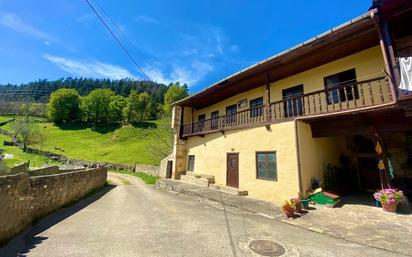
(347,97)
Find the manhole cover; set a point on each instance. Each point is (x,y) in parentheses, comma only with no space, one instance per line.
(266,248)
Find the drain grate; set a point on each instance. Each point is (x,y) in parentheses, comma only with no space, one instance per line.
(266,248)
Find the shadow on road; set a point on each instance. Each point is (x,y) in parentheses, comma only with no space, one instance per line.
(229,230)
(29,239)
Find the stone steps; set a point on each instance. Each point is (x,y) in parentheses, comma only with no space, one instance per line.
(194,180)
(229,190)
(206,180)
(209,178)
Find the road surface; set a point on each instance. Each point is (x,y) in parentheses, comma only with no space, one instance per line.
(135,219)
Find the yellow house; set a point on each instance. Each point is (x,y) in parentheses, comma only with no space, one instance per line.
(274,129)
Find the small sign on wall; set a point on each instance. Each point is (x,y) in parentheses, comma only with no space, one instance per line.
(242,103)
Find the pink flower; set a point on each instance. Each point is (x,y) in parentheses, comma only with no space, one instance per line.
(388,196)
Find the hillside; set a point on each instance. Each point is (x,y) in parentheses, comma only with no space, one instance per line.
(127,144)
(39,91)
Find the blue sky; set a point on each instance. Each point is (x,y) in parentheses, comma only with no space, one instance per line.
(197,42)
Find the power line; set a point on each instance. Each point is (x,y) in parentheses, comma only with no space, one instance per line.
(115,25)
(117,40)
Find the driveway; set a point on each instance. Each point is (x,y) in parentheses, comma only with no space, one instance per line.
(134,219)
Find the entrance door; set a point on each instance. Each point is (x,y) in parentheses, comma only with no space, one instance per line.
(293,101)
(169,169)
(232,176)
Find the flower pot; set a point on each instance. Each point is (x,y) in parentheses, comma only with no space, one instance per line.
(289,212)
(298,208)
(305,203)
(389,207)
(378,204)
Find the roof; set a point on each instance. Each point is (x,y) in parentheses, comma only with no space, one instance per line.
(353,36)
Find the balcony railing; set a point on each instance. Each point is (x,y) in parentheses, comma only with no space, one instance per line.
(353,96)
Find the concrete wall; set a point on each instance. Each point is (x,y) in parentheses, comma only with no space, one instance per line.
(316,153)
(210,158)
(24,198)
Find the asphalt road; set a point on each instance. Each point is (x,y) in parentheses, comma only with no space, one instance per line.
(134,219)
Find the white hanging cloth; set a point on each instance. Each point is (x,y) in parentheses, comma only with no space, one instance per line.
(405,64)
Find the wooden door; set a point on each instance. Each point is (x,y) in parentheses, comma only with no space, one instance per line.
(293,101)
(232,175)
(169,169)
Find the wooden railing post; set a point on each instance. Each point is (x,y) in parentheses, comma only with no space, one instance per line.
(268,115)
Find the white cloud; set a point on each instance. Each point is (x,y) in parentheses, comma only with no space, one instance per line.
(189,75)
(234,48)
(89,69)
(85,17)
(144,18)
(14,22)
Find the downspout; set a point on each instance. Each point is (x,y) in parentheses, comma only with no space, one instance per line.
(385,42)
(298,156)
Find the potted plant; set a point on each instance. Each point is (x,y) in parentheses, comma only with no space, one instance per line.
(296,204)
(304,200)
(288,209)
(389,198)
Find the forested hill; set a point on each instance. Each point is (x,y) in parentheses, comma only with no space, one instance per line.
(40,90)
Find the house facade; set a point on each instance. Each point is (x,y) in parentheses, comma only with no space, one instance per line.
(275,128)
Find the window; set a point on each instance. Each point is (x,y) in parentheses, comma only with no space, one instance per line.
(266,166)
(191,163)
(201,118)
(256,107)
(341,87)
(293,101)
(231,113)
(214,120)
(201,122)
(242,103)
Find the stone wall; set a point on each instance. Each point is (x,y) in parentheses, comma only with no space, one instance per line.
(24,198)
(50,170)
(148,169)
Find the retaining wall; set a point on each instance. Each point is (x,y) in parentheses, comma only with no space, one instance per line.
(148,169)
(24,198)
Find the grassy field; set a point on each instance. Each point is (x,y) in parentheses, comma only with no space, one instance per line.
(125,144)
(5,118)
(19,156)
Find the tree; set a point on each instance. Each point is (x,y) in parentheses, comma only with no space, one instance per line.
(64,105)
(27,133)
(153,110)
(95,106)
(136,106)
(144,100)
(174,93)
(116,106)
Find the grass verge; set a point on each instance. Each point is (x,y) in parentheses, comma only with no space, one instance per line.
(148,179)
(18,156)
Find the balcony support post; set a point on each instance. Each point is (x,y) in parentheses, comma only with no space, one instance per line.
(267,99)
(385,42)
(181,125)
(191,120)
